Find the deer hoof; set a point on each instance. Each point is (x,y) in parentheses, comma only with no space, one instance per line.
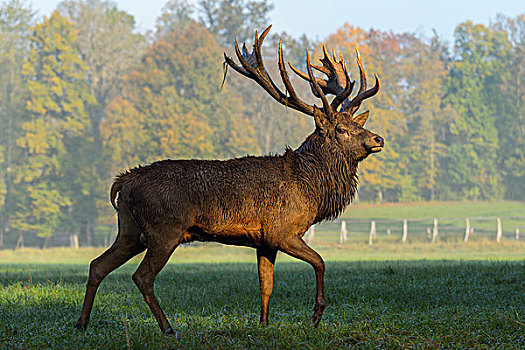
(318,313)
(316,318)
(81,327)
(169,331)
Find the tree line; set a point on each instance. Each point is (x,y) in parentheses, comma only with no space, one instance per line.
(84,95)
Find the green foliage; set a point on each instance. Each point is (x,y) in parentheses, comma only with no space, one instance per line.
(229,19)
(54,128)
(83,96)
(474,81)
(511,109)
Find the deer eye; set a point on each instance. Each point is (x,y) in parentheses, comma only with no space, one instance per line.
(340,130)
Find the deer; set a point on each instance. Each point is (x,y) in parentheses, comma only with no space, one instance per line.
(264,202)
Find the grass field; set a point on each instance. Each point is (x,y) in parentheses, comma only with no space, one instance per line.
(434,210)
(390,295)
(462,298)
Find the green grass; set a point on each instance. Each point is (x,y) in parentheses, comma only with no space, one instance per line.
(417,295)
(401,303)
(481,249)
(399,211)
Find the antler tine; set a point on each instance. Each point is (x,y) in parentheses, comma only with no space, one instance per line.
(327,57)
(326,106)
(333,53)
(252,66)
(343,96)
(362,74)
(305,76)
(284,76)
(336,72)
(363,94)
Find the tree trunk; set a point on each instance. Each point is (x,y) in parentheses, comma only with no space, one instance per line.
(73,240)
(4,228)
(20,242)
(89,235)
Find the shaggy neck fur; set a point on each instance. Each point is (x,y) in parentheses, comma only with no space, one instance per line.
(330,175)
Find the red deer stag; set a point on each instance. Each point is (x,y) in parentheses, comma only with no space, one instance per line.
(267,203)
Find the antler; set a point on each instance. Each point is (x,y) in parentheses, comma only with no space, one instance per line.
(337,72)
(252,66)
(338,82)
(363,93)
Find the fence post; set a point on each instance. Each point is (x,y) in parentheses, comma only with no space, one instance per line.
(311,234)
(467,231)
(498,235)
(344,235)
(372,232)
(112,235)
(405,231)
(517,233)
(435,230)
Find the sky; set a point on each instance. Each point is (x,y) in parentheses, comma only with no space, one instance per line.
(320,18)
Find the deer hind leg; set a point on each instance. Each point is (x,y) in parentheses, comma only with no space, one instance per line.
(126,246)
(297,248)
(265,262)
(159,251)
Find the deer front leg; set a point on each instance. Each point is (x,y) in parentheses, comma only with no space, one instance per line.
(297,248)
(265,263)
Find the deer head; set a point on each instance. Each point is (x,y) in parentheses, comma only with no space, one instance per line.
(335,121)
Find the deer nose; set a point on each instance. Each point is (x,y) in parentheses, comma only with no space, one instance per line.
(380,141)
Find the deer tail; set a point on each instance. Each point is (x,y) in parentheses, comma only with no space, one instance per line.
(115,188)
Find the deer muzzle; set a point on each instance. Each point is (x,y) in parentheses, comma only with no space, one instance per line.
(375,144)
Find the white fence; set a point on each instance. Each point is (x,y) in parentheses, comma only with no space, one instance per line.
(421,229)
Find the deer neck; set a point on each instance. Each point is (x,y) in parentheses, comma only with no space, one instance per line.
(329,177)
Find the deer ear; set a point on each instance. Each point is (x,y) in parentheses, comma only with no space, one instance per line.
(361,118)
(321,120)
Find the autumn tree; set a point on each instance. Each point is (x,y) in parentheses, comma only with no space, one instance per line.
(110,48)
(422,90)
(174,105)
(276,126)
(52,175)
(16,17)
